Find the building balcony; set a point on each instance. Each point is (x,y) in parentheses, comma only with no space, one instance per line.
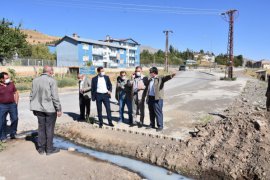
(113,54)
(98,52)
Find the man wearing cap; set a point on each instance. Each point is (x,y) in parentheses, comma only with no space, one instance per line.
(155,96)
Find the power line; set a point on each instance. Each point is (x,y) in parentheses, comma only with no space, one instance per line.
(124,8)
(151,6)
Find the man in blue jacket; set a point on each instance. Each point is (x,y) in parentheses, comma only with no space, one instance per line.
(101,93)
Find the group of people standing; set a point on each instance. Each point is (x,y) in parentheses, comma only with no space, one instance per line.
(133,93)
(46,106)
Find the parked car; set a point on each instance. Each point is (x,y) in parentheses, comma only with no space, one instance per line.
(182,68)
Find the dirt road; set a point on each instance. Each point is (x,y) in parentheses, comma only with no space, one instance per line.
(20,161)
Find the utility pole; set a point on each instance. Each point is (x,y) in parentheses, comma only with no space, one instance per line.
(229,16)
(167,48)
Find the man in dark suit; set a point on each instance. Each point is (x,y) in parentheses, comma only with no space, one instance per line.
(101,93)
(155,96)
(84,96)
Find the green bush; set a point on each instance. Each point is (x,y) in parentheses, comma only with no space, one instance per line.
(27,79)
(65,82)
(12,73)
(23,86)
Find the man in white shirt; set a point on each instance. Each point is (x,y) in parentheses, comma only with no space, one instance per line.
(101,93)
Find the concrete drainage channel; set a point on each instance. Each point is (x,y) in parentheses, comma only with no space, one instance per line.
(146,170)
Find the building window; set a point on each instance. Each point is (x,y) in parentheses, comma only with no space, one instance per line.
(97,58)
(85,46)
(132,45)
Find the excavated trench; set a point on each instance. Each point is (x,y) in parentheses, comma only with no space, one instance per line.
(146,171)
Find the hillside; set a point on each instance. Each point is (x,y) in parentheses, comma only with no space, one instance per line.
(149,48)
(35,37)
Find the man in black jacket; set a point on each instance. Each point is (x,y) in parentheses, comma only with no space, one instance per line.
(101,93)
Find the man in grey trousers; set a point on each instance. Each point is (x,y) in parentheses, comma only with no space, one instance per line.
(138,84)
(84,96)
(155,96)
(45,104)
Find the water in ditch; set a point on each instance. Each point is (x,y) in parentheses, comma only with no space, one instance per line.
(148,171)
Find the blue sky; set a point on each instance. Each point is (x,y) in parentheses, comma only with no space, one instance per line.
(195,23)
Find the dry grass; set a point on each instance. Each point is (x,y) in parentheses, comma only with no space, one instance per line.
(35,37)
(251,72)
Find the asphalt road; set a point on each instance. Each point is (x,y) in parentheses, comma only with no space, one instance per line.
(189,97)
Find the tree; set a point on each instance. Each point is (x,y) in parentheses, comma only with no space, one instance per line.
(187,55)
(201,51)
(41,51)
(238,60)
(222,59)
(146,57)
(12,40)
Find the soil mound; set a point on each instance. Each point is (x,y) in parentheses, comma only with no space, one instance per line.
(238,146)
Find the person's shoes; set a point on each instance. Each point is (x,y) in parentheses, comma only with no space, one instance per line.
(140,125)
(150,127)
(53,151)
(12,136)
(100,126)
(159,129)
(111,124)
(41,151)
(131,125)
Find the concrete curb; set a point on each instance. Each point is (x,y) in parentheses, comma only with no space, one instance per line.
(130,131)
